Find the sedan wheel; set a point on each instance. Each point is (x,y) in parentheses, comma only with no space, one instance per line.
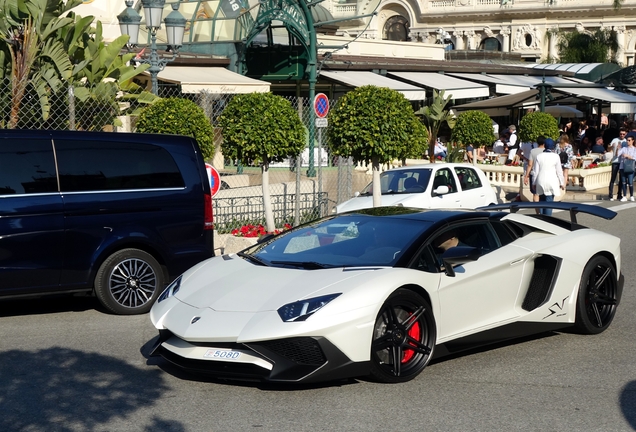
(598,296)
(403,338)
(129,281)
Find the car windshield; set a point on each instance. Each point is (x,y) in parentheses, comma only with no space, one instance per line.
(350,240)
(401,181)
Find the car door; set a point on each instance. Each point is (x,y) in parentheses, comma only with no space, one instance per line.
(473,192)
(452,199)
(31,217)
(485,292)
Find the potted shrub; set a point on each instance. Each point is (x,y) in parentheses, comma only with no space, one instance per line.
(536,124)
(473,128)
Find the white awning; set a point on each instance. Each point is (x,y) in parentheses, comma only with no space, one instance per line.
(359,79)
(215,80)
(620,103)
(455,87)
(513,84)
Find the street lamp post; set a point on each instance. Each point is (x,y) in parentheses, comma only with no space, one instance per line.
(175,23)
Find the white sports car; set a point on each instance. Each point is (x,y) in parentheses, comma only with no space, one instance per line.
(438,185)
(381,291)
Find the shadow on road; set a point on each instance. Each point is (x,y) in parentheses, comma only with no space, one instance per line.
(628,403)
(47,305)
(67,390)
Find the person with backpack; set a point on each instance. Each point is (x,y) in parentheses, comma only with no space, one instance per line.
(566,155)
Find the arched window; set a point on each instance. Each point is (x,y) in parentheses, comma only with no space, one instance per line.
(490,44)
(396,28)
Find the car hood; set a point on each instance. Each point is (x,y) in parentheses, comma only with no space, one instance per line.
(232,284)
(364,202)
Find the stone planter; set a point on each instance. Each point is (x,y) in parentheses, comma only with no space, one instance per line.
(227,243)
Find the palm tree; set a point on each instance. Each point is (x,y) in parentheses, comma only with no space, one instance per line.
(598,47)
(434,116)
(37,56)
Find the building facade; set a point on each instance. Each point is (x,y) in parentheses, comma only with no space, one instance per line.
(525,27)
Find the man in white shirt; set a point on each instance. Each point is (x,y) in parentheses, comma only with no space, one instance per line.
(532,156)
(614,147)
(440,150)
(512,143)
(548,175)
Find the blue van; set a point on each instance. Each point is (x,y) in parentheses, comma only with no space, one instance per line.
(115,214)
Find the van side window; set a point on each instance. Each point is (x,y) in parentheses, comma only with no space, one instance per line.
(27,166)
(109,165)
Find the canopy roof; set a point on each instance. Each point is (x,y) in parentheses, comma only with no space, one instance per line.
(359,79)
(618,102)
(455,87)
(216,80)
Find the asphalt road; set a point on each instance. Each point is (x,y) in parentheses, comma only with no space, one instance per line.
(65,365)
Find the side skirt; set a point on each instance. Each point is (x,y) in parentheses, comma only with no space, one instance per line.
(499,334)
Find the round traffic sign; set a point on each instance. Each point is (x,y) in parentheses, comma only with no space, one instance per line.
(215,179)
(321,105)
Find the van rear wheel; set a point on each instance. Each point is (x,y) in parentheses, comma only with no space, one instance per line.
(128,282)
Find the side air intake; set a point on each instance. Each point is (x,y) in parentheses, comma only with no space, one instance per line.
(542,282)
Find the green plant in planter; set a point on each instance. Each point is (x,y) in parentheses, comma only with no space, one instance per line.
(263,128)
(377,125)
(473,127)
(536,124)
(181,117)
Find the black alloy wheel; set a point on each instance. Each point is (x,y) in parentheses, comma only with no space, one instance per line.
(404,337)
(598,296)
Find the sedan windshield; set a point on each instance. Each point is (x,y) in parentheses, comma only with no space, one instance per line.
(351,240)
(401,181)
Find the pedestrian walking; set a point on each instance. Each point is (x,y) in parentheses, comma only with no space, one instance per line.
(566,153)
(614,147)
(532,156)
(548,175)
(627,158)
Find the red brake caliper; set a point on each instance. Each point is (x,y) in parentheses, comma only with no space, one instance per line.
(414,332)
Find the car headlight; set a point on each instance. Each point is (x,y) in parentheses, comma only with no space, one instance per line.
(171,290)
(303,309)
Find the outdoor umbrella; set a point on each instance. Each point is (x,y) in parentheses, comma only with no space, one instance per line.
(563,111)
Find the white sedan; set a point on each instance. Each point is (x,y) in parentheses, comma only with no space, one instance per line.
(438,185)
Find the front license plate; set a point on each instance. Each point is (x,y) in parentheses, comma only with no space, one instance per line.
(222,354)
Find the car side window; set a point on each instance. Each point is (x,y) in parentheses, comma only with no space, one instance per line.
(478,234)
(110,165)
(444,177)
(468,178)
(27,166)
(504,232)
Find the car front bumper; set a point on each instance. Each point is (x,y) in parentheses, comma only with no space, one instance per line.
(293,360)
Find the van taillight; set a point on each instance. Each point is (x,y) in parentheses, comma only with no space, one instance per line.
(208,218)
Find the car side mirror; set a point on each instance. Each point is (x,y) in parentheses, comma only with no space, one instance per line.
(458,255)
(265,237)
(441,190)
(357,194)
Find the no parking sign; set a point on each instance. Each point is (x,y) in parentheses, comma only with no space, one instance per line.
(215,179)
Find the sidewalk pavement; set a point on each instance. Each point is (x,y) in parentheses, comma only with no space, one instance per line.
(591,195)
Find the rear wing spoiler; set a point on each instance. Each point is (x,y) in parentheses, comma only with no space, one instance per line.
(573,208)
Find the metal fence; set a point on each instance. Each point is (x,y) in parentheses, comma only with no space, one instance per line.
(240,202)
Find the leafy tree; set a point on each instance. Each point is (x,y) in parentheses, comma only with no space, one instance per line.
(101,74)
(376,125)
(37,57)
(473,127)
(48,48)
(535,124)
(434,117)
(262,128)
(598,47)
(181,117)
